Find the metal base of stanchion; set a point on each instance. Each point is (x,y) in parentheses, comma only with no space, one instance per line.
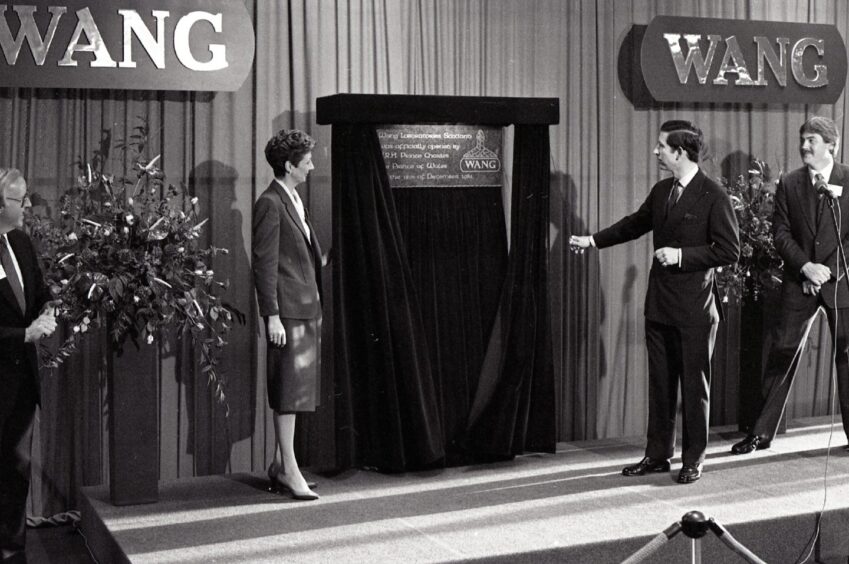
(695,525)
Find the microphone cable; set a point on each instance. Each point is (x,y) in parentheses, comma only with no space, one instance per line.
(810,544)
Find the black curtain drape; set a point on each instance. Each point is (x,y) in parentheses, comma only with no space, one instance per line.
(456,243)
(386,407)
(514,408)
(390,397)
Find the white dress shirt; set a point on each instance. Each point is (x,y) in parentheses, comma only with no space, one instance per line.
(14,260)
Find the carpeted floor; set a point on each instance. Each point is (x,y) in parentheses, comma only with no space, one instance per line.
(572,506)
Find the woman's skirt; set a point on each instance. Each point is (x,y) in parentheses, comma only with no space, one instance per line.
(294,370)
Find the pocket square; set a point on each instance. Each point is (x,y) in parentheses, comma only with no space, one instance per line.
(689,217)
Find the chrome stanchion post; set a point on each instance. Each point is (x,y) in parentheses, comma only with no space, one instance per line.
(695,525)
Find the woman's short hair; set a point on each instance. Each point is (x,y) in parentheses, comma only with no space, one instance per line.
(288,145)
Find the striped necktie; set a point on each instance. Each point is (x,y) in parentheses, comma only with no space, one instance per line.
(674,194)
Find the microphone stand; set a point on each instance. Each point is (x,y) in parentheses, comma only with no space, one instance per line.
(841,254)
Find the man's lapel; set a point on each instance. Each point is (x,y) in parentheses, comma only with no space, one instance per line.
(840,177)
(802,195)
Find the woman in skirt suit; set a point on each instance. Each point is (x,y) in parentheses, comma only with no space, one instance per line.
(287,274)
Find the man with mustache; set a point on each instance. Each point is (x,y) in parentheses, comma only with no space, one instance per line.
(805,237)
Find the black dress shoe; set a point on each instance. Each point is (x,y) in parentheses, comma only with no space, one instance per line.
(750,444)
(689,473)
(645,466)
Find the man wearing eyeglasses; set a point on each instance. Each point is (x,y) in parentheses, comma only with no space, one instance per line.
(25,318)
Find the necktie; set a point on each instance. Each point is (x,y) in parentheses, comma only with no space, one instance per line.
(12,273)
(674,194)
(819,180)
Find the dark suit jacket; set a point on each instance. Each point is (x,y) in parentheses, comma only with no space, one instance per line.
(19,360)
(704,226)
(286,265)
(799,238)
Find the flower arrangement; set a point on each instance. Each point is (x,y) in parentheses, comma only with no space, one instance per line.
(124,253)
(759,267)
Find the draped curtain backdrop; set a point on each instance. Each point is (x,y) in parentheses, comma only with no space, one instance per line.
(578,51)
(401,399)
(387,406)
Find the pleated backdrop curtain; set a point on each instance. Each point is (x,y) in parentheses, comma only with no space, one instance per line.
(578,50)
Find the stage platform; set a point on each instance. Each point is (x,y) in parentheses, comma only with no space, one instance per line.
(572,506)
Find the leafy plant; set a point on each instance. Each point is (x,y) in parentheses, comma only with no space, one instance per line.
(124,253)
(759,267)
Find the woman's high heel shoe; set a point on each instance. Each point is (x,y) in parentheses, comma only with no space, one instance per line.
(279,486)
(272,474)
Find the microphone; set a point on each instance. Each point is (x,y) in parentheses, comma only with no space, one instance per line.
(822,187)
(830,191)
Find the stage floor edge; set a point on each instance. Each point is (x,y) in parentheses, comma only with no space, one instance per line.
(571,506)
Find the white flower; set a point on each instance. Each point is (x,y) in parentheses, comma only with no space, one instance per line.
(149,339)
(72,236)
(152,162)
(129,218)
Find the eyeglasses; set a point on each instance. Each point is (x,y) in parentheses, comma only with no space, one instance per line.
(19,200)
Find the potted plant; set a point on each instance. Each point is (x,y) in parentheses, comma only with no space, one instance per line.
(759,267)
(754,281)
(124,254)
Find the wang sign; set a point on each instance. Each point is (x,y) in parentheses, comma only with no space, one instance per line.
(126,44)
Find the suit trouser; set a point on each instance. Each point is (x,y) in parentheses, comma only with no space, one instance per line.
(783,363)
(16,429)
(679,354)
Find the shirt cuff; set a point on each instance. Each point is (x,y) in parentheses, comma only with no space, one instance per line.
(680,258)
(592,241)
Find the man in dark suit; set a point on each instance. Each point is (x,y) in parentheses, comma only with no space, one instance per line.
(23,295)
(805,237)
(695,230)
